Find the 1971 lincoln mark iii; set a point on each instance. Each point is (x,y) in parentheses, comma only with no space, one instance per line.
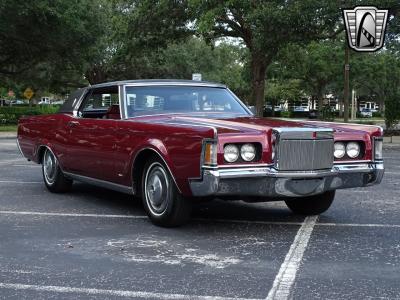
(173,141)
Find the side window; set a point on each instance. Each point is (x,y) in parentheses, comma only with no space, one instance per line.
(98,102)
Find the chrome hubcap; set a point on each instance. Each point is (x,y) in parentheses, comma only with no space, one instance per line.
(49,167)
(156,189)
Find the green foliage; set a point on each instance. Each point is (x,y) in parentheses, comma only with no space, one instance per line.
(44,43)
(11,115)
(286,114)
(326,113)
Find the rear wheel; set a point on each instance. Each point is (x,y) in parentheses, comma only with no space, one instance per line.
(312,205)
(53,177)
(162,201)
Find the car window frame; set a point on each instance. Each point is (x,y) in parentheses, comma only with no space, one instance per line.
(87,94)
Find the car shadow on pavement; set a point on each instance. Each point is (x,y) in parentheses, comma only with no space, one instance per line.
(212,210)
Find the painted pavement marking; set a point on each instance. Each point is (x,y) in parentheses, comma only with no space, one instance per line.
(285,279)
(104,292)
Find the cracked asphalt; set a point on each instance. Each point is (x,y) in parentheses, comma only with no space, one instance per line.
(96,244)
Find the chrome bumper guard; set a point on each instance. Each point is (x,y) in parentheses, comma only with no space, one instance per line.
(269,182)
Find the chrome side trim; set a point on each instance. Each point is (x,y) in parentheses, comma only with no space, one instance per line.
(101,183)
(19,147)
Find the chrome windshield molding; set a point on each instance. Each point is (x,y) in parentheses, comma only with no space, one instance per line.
(79,102)
(240,102)
(101,183)
(175,83)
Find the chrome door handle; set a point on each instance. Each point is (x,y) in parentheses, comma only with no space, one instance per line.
(72,123)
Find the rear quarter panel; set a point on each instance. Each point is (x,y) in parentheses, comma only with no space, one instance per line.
(34,131)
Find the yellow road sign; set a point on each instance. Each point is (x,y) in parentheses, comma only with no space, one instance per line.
(28,94)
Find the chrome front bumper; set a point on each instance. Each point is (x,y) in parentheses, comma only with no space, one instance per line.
(269,182)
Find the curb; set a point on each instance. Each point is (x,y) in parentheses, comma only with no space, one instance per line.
(8,135)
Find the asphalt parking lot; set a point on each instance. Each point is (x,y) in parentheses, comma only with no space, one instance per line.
(97,244)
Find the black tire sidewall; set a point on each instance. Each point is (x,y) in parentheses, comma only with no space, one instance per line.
(312,205)
(177,211)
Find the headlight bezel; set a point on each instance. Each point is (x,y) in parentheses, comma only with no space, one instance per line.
(240,160)
(351,145)
(346,157)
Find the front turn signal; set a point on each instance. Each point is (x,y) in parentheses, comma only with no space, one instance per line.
(210,154)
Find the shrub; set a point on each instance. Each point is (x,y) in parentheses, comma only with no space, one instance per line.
(377,114)
(286,114)
(11,115)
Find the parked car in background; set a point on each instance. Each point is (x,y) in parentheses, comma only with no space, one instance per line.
(366,113)
(313,114)
(58,102)
(44,101)
(172,142)
(4,102)
(17,102)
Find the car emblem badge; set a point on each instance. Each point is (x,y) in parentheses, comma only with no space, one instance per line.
(314,135)
(365,26)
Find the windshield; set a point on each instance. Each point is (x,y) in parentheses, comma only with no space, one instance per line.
(181,99)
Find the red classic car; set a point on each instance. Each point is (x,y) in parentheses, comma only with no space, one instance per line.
(171,142)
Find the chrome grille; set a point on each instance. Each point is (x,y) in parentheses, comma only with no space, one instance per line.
(304,149)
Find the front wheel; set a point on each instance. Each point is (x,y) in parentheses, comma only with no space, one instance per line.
(311,205)
(53,177)
(162,201)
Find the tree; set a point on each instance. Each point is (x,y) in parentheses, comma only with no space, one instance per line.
(265,27)
(48,40)
(318,65)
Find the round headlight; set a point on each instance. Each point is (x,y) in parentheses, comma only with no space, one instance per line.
(353,149)
(340,150)
(248,152)
(231,153)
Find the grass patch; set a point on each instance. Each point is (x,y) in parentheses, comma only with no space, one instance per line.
(8,128)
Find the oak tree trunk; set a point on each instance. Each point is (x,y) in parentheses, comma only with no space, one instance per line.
(258,70)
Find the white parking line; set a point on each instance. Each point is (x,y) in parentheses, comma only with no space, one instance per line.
(33,213)
(18,182)
(54,214)
(284,281)
(359,225)
(103,292)
(392,173)
(248,222)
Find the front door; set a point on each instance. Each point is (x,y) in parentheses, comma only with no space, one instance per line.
(91,145)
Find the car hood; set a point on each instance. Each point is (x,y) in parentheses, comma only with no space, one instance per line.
(247,124)
(251,124)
